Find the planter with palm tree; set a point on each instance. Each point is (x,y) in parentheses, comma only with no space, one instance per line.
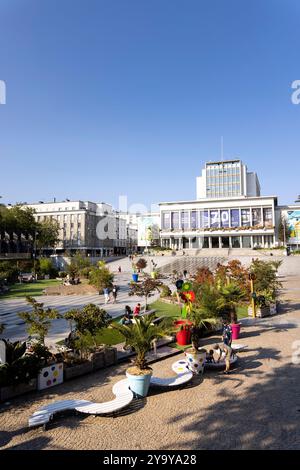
(202,320)
(231,295)
(140,336)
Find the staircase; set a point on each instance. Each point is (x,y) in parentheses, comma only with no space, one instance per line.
(191,264)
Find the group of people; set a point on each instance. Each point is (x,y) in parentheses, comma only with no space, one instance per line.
(222,350)
(110,295)
(129,314)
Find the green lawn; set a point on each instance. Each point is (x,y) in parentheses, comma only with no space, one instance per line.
(242,311)
(162,308)
(31,288)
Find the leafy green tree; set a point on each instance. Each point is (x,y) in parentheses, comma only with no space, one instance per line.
(38,321)
(146,288)
(46,267)
(47,234)
(101,277)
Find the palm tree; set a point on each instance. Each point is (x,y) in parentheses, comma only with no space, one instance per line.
(231,295)
(141,334)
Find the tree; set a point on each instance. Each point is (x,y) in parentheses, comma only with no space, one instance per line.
(146,288)
(230,296)
(47,234)
(101,277)
(283,230)
(141,263)
(90,319)
(38,320)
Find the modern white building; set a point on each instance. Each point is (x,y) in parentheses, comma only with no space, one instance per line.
(223,223)
(229,212)
(229,178)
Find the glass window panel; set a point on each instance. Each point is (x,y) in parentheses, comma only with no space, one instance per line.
(194,219)
(214,218)
(246,241)
(235,242)
(224,218)
(268,219)
(256,216)
(175,220)
(245,215)
(235,217)
(204,219)
(166,220)
(185,219)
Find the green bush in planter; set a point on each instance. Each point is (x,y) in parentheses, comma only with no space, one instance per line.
(19,367)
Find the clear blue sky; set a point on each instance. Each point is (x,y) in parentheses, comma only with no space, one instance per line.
(132,96)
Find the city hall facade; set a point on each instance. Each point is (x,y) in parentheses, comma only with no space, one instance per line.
(228,212)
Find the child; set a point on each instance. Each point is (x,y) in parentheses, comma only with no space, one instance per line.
(210,357)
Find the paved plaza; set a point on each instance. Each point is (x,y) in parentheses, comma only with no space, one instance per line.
(256,407)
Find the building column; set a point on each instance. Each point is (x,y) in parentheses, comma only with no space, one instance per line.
(241,241)
(220,242)
(209,242)
(251,241)
(230,241)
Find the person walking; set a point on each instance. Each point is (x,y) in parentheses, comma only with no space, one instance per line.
(227,333)
(114,294)
(106,294)
(120,269)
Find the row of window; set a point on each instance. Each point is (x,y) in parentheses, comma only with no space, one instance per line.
(59,218)
(220,242)
(216,218)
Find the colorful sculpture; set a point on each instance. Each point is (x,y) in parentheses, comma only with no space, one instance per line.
(186,295)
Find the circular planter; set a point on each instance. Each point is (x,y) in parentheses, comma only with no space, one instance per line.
(195,360)
(183,336)
(236,327)
(139,384)
(135,277)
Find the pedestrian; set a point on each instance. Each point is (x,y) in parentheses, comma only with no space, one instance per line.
(114,294)
(120,269)
(185,273)
(227,333)
(106,294)
(136,310)
(224,350)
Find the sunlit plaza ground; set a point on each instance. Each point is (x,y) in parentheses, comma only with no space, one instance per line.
(256,407)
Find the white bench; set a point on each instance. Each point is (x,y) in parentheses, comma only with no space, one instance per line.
(172,381)
(123,397)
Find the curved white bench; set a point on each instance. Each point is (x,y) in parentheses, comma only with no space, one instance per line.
(123,398)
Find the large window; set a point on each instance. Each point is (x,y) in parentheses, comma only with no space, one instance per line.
(204,219)
(224,218)
(268,219)
(194,219)
(235,242)
(166,220)
(175,220)
(256,216)
(185,219)
(235,217)
(245,215)
(214,218)
(246,242)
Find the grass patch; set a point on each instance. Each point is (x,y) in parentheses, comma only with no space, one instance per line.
(33,289)
(242,311)
(162,308)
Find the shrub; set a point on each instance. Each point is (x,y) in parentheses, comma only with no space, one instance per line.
(165,291)
(47,268)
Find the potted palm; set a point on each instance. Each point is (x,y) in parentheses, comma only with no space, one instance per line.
(231,295)
(203,318)
(140,337)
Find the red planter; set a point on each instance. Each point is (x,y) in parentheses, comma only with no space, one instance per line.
(183,336)
(235,330)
